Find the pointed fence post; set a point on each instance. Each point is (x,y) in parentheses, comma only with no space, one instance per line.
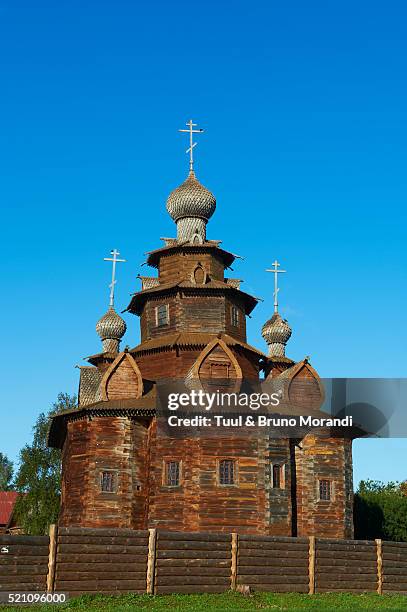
(311,565)
(379,553)
(233,567)
(152,542)
(53,535)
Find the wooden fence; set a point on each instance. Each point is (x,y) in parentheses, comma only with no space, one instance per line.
(76,561)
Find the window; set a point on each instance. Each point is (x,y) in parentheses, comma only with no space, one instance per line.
(107,482)
(227,472)
(325,490)
(172,473)
(162,315)
(276,476)
(235,316)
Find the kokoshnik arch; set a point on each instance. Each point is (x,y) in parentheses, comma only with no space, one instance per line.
(118,472)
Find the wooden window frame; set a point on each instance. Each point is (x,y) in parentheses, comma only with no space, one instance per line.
(235,320)
(281,467)
(331,490)
(164,480)
(167,318)
(235,482)
(115,480)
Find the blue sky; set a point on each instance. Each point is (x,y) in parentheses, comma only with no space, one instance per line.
(305,149)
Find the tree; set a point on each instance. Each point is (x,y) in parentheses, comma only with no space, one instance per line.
(39,476)
(380,511)
(6,473)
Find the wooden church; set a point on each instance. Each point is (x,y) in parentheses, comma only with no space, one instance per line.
(117,471)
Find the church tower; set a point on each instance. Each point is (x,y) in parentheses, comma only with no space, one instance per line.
(118,471)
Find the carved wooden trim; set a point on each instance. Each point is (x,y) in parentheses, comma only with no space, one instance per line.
(194,371)
(109,372)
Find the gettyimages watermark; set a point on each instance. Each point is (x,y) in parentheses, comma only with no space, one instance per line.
(283,408)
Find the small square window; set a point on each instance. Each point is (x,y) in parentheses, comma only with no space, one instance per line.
(172,474)
(227,472)
(235,316)
(325,491)
(162,315)
(107,482)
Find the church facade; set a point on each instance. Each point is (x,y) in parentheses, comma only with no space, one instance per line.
(117,471)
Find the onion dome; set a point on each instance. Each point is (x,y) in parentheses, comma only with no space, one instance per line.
(276,333)
(111,329)
(191,205)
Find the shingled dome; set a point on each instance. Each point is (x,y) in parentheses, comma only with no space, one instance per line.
(111,329)
(191,205)
(276,333)
(191,199)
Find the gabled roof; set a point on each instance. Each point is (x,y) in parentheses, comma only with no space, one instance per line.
(7,503)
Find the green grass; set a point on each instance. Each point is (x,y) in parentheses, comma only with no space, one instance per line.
(226,601)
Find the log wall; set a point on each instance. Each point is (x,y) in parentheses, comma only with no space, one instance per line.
(24,567)
(82,560)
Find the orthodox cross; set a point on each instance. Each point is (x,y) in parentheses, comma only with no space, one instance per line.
(113,259)
(276,272)
(192,144)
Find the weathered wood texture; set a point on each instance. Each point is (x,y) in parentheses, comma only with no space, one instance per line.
(273,563)
(345,565)
(101,560)
(190,563)
(125,560)
(394,556)
(25,566)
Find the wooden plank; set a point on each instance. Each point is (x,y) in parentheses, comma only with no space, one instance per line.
(193,571)
(21,540)
(311,565)
(193,554)
(249,544)
(281,554)
(95,548)
(369,585)
(24,586)
(27,551)
(360,556)
(379,552)
(333,563)
(152,542)
(98,585)
(273,562)
(348,548)
(348,590)
(116,541)
(100,558)
(194,545)
(196,580)
(401,545)
(9,560)
(191,588)
(23,570)
(53,534)
(101,531)
(276,539)
(390,556)
(95,576)
(274,571)
(64,568)
(281,588)
(185,563)
(274,579)
(190,537)
(233,566)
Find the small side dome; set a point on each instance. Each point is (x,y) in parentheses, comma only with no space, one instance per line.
(276,332)
(111,329)
(191,199)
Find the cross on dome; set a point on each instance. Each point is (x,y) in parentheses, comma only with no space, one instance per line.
(275,270)
(114,259)
(192,144)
